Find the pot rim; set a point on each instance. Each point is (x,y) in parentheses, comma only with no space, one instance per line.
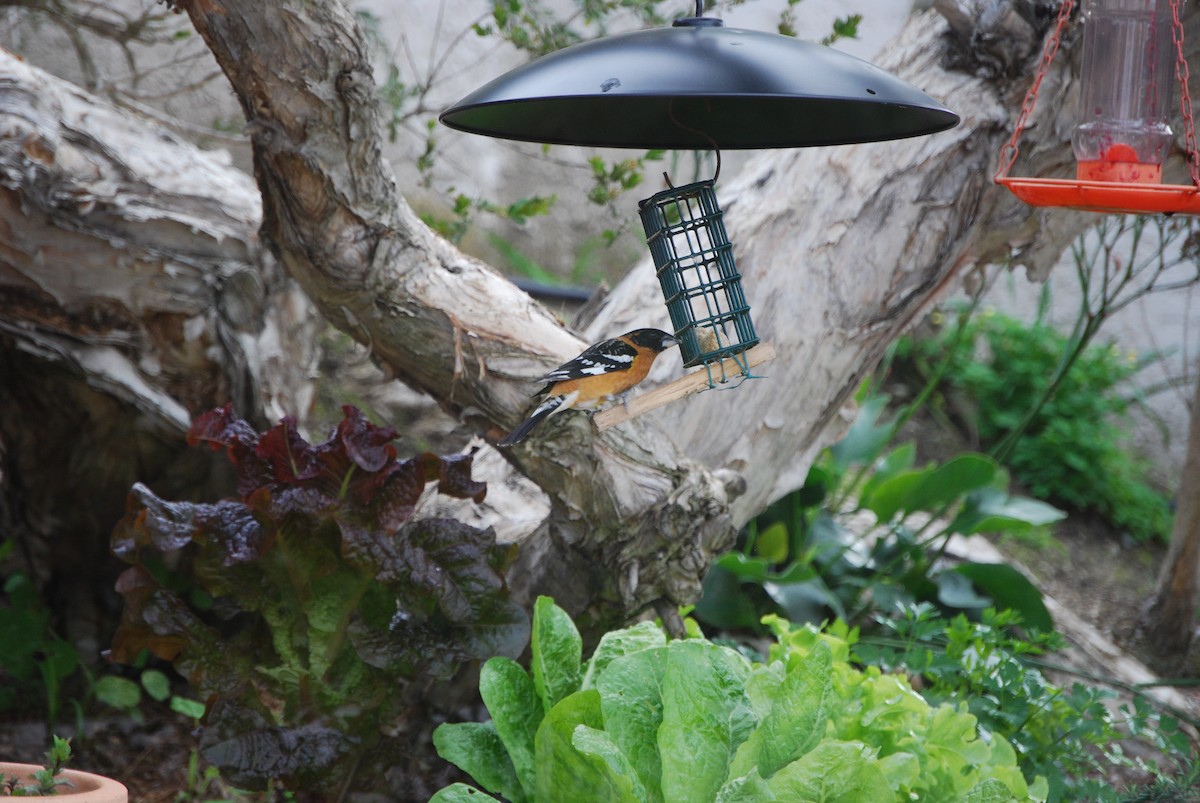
(88,786)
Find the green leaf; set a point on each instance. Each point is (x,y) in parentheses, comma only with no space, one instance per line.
(901,769)
(890,497)
(615,643)
(932,488)
(743,568)
(956,591)
(59,658)
(772,543)
(564,773)
(956,477)
(332,598)
(59,755)
(899,459)
(623,776)
(757,570)
(476,749)
(723,603)
(706,715)
(806,601)
(796,720)
(865,438)
(952,738)
(816,487)
(631,700)
(990,510)
(189,708)
(459,793)
(118,692)
(1010,589)
(833,772)
(557,651)
(989,791)
(512,700)
(747,789)
(519,262)
(156,685)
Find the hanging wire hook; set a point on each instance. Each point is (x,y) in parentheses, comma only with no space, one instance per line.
(712,142)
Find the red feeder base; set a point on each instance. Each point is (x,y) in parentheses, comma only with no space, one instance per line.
(1106,196)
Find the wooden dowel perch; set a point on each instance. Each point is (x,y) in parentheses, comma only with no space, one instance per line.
(684,386)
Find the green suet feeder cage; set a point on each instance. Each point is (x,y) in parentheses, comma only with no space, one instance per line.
(700,281)
(698,86)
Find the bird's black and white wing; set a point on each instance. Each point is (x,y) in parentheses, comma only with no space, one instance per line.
(605,357)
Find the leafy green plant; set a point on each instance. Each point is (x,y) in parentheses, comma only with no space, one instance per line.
(1050,404)
(455,227)
(127,695)
(1071,444)
(649,720)
(35,662)
(1067,735)
(324,596)
(1183,787)
(45,781)
(866,531)
(530,26)
(203,784)
(843,27)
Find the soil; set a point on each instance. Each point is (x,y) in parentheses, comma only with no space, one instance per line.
(1092,571)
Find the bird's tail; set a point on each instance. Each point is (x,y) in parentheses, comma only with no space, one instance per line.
(543,411)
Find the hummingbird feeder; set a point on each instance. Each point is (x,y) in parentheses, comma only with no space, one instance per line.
(699,86)
(1132,56)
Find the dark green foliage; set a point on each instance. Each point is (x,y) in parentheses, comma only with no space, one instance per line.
(35,662)
(802,558)
(321,595)
(1074,449)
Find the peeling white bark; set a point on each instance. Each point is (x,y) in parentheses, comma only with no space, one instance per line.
(133,258)
(841,249)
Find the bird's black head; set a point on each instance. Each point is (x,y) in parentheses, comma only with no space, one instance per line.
(655,339)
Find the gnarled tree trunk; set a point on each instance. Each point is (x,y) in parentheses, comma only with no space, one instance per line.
(1169,624)
(841,248)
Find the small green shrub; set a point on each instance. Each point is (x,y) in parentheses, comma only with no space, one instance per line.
(46,781)
(35,662)
(1073,448)
(804,559)
(649,720)
(1067,735)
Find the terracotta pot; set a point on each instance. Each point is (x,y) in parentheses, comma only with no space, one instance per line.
(88,788)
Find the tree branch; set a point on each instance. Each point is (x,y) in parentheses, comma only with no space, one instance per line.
(444,322)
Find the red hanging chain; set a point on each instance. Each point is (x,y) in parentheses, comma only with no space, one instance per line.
(1008,154)
(1185,98)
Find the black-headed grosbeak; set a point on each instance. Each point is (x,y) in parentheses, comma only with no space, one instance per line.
(603,371)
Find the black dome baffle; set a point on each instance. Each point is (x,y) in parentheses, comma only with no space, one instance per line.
(698,87)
